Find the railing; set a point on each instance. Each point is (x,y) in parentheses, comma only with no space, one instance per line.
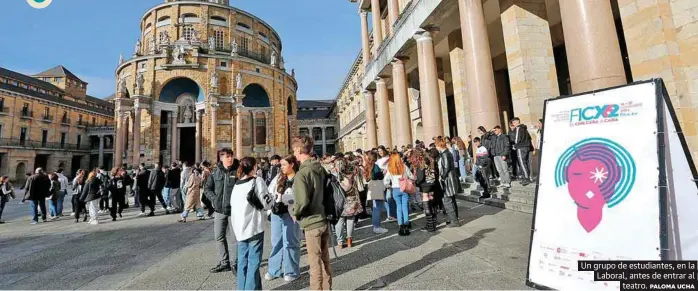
(26,114)
(81,123)
(4,110)
(16,142)
(65,121)
(354,123)
(47,118)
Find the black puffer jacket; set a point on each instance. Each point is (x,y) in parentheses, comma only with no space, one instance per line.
(501,146)
(522,139)
(91,190)
(219,186)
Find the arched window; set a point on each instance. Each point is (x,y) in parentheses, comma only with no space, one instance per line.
(217,20)
(244,28)
(263,36)
(163,21)
(243,25)
(190,18)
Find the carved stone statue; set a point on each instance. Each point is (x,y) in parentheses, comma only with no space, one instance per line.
(140,79)
(211,43)
(188,114)
(164,38)
(137,48)
(121,58)
(214,79)
(273,59)
(238,81)
(195,36)
(234,48)
(293,73)
(282,63)
(122,85)
(178,55)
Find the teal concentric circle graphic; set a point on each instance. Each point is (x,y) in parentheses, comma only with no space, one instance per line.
(39,4)
(623,159)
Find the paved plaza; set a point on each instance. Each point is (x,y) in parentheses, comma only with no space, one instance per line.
(488,252)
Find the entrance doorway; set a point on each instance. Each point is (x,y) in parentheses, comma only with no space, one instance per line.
(41,161)
(187,145)
(74,165)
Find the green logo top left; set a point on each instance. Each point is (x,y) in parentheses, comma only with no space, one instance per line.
(39,4)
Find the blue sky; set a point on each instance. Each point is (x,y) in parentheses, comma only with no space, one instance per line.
(321,38)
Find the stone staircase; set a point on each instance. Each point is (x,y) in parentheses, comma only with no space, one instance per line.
(517,198)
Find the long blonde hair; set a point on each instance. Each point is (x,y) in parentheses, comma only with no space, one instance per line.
(90,176)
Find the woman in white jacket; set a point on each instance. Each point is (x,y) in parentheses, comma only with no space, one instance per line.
(248,202)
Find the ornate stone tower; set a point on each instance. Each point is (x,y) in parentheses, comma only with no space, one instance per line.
(203,76)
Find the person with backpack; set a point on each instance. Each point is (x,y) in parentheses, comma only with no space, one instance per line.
(309,209)
(249,201)
(375,189)
(156,183)
(285,233)
(397,177)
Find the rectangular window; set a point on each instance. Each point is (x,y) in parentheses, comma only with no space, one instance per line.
(56,79)
(22,135)
(260,130)
(80,119)
(244,45)
(79,140)
(94,121)
(64,136)
(224,64)
(46,112)
(219,37)
(188,33)
(0,130)
(44,137)
(263,52)
(2,104)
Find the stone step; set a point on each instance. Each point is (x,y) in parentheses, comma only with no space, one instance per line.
(511,205)
(517,198)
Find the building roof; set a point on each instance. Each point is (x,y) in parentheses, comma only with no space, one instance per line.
(50,87)
(314,109)
(59,71)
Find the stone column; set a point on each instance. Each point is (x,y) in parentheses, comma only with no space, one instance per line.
(430,97)
(268,129)
(238,131)
(385,137)
(393,14)
(484,109)
(212,138)
(460,88)
(120,138)
(365,42)
(593,52)
(402,103)
(324,142)
(254,130)
(100,160)
(136,136)
(197,136)
(377,25)
(175,140)
(530,60)
(371,132)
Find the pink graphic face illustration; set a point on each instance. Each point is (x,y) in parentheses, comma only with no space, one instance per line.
(592,175)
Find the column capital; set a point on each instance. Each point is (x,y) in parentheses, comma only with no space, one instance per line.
(380,80)
(363,12)
(425,33)
(400,59)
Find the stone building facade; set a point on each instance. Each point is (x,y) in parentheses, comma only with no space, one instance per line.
(203,76)
(318,119)
(45,121)
(445,67)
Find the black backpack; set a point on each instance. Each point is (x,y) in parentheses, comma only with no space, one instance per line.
(333,199)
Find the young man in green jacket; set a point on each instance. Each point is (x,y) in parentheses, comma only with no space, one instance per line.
(308,188)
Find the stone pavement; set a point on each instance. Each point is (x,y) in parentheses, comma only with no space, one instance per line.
(488,252)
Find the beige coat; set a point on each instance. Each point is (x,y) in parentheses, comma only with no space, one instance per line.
(193,192)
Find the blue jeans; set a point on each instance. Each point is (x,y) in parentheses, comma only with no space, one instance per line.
(403,209)
(136,199)
(61,199)
(378,206)
(52,208)
(390,206)
(166,196)
(40,203)
(199,212)
(249,261)
(285,246)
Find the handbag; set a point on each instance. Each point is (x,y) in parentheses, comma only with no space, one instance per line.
(376,190)
(407,186)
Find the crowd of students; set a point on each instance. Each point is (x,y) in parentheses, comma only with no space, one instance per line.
(298,195)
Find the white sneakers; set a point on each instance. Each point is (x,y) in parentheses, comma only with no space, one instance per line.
(379,230)
(287,278)
(93,222)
